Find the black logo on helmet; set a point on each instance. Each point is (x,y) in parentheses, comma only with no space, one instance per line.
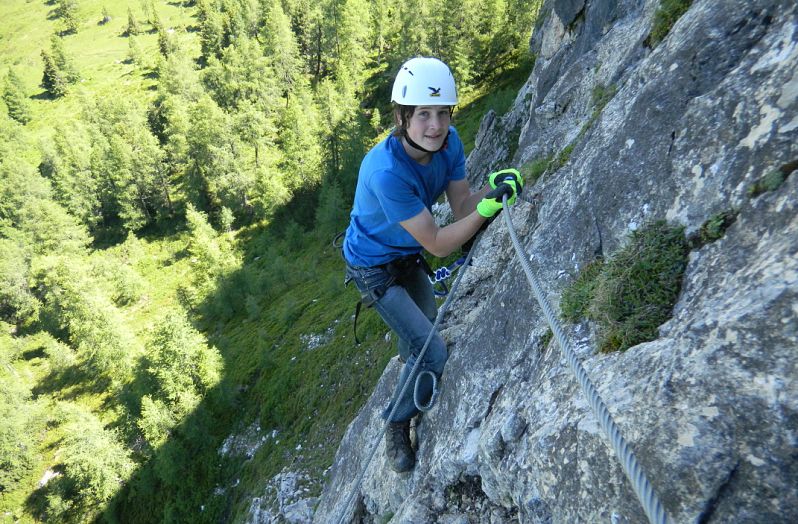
(435,92)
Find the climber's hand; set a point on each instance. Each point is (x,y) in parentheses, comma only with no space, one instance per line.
(506,175)
(492,203)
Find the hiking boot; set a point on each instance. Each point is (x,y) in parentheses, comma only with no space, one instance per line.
(397,447)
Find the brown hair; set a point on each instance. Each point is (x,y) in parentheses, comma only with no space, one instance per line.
(401,117)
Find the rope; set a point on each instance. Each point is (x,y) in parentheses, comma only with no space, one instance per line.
(642,488)
(441,311)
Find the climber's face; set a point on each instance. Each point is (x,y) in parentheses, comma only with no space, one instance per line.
(429,126)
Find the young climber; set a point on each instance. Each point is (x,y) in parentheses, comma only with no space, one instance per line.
(391,222)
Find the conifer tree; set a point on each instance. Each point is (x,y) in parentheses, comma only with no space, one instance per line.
(178,90)
(17,303)
(133,28)
(94,464)
(126,160)
(26,206)
(106,16)
(165,42)
(307,22)
(212,39)
(352,37)
(15,99)
(22,424)
(59,70)
(382,32)
(67,11)
(413,35)
(183,368)
(95,326)
(299,141)
(152,15)
(134,52)
(255,127)
(63,61)
(216,176)
(281,46)
(242,73)
(53,80)
(66,161)
(331,212)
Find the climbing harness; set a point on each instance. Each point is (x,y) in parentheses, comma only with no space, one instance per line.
(642,487)
(397,268)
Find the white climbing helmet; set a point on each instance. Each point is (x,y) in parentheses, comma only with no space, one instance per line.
(424,82)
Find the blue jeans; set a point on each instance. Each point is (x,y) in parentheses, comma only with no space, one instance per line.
(408,307)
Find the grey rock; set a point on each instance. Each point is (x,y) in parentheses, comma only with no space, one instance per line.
(512,428)
(710,407)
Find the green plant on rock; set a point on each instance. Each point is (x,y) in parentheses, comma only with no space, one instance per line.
(576,298)
(770,182)
(562,157)
(601,96)
(668,13)
(632,293)
(714,228)
(534,169)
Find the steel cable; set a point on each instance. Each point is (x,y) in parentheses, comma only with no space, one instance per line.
(642,487)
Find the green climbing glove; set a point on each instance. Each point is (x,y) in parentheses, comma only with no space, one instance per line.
(506,175)
(488,207)
(492,203)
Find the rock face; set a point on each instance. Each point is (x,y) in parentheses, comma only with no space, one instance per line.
(711,406)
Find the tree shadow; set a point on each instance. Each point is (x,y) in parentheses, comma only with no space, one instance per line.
(43,95)
(36,503)
(70,383)
(183,480)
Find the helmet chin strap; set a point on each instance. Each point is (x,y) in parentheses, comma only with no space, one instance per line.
(416,146)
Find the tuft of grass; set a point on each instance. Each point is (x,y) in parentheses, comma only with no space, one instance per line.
(534,169)
(601,95)
(546,338)
(632,293)
(668,13)
(714,228)
(769,182)
(563,156)
(575,300)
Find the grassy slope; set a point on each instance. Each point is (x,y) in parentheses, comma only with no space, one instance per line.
(309,396)
(99,51)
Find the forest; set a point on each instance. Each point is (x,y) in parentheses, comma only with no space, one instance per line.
(171,175)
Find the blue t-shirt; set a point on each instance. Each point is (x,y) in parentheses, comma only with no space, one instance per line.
(391,188)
